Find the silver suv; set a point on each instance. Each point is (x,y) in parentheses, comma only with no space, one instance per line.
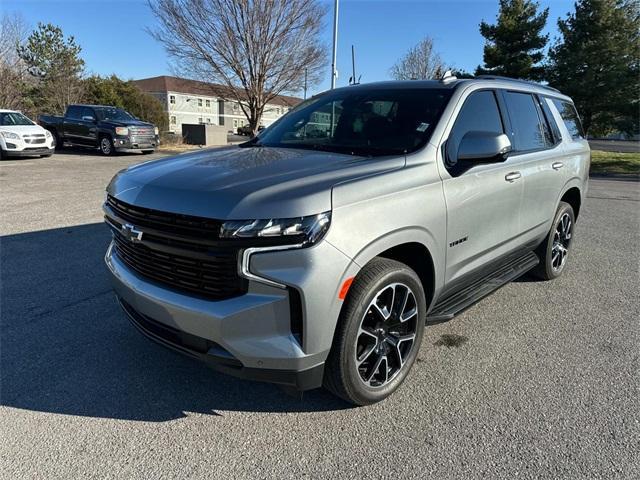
(315,253)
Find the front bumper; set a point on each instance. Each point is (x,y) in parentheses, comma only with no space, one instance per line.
(132,144)
(216,357)
(29,152)
(248,336)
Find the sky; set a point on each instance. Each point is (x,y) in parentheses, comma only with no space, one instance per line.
(114,39)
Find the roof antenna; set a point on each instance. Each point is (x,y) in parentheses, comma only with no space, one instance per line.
(448,77)
(353,80)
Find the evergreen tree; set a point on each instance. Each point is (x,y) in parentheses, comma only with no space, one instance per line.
(597,63)
(56,66)
(514,46)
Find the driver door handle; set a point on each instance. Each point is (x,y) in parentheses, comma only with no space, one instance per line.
(557,165)
(512,176)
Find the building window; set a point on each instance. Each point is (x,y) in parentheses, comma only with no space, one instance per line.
(199,102)
(200,120)
(173,120)
(208,119)
(235,123)
(172,99)
(207,103)
(278,111)
(236,107)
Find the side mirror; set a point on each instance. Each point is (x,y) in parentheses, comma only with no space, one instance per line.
(88,118)
(484,147)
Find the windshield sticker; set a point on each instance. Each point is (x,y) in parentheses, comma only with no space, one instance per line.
(422,127)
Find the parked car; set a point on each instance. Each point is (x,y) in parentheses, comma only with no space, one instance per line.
(246,130)
(317,261)
(109,129)
(21,137)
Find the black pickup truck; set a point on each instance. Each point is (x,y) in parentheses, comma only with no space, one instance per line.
(110,129)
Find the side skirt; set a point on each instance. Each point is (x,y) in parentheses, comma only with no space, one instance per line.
(479,287)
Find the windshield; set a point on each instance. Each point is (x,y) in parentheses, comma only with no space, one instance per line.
(360,121)
(106,113)
(14,118)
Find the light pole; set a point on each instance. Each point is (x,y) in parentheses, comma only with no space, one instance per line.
(305,83)
(334,71)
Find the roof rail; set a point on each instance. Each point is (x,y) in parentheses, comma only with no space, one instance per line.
(527,82)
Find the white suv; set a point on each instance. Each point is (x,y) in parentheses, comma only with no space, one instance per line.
(21,137)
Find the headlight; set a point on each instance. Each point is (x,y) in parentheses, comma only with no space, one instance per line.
(122,131)
(155,130)
(11,135)
(296,231)
(47,133)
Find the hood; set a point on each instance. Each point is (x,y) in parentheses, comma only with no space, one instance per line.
(244,183)
(127,123)
(23,129)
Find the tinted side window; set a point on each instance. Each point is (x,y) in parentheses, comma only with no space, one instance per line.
(74,112)
(88,112)
(479,113)
(527,128)
(570,117)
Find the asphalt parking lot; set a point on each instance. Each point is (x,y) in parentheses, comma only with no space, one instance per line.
(620,146)
(539,380)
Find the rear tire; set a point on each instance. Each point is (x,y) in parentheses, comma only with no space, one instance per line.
(2,154)
(554,250)
(378,335)
(106,146)
(59,141)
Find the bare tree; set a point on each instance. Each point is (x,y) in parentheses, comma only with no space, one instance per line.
(257,49)
(421,62)
(13,32)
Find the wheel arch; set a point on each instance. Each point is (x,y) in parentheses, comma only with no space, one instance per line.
(416,248)
(573,196)
(417,257)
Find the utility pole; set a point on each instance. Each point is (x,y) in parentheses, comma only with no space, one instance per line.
(334,70)
(305,83)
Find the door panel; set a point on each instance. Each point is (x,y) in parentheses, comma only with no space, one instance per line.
(70,124)
(542,185)
(87,128)
(483,216)
(483,200)
(539,151)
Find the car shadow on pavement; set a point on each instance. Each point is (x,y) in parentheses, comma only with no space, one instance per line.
(66,347)
(90,151)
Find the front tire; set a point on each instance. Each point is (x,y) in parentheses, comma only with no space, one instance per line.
(379,333)
(106,146)
(554,250)
(147,152)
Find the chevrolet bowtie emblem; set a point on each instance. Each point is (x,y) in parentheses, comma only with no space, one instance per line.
(131,233)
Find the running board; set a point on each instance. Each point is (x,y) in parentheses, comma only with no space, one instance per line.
(452,305)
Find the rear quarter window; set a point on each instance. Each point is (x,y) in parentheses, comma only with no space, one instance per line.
(569,117)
